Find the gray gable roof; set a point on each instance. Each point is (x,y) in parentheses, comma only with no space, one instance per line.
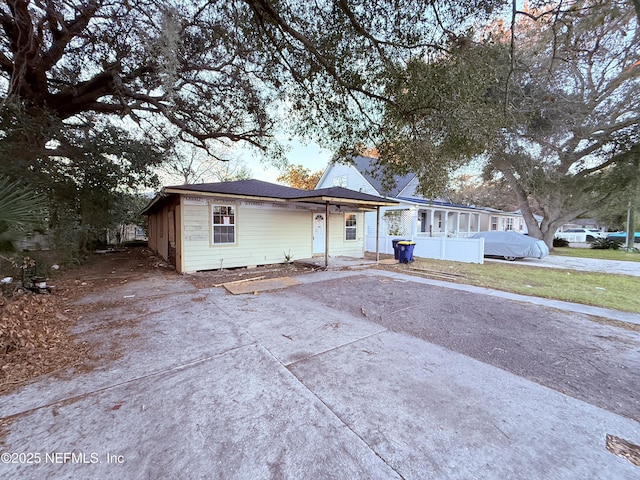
(374,174)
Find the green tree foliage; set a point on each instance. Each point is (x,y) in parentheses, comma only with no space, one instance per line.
(442,114)
(615,214)
(468,189)
(550,101)
(82,174)
(211,70)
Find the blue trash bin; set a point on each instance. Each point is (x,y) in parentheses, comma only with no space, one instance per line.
(405,251)
(394,243)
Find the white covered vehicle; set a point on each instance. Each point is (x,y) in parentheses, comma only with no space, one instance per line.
(512,245)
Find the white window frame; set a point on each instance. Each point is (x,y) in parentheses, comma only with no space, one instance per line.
(340,181)
(508,226)
(350,228)
(231,222)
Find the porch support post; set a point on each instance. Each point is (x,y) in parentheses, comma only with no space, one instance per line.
(431,219)
(326,235)
(377,233)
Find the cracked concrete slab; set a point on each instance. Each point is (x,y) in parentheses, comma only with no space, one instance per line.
(236,415)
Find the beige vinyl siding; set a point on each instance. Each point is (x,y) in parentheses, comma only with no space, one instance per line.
(338,245)
(263,235)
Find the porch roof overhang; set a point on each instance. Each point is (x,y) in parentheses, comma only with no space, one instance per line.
(441,205)
(358,204)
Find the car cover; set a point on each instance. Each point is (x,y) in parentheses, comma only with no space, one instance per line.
(512,244)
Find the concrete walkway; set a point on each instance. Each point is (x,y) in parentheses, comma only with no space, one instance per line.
(278,385)
(581,264)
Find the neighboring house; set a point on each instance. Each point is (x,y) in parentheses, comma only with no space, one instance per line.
(133,233)
(250,222)
(420,216)
(126,233)
(416,217)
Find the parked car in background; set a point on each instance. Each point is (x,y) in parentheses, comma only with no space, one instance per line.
(622,237)
(511,245)
(580,235)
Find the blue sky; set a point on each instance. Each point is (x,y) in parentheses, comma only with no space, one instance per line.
(311,156)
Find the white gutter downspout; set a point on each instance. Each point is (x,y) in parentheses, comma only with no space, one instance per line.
(326,235)
(378,233)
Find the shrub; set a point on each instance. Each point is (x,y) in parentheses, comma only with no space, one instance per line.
(605,244)
(560,242)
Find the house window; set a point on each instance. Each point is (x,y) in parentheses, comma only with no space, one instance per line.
(509,225)
(340,181)
(350,226)
(494,223)
(224,224)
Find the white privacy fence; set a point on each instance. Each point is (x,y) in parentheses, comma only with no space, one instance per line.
(470,250)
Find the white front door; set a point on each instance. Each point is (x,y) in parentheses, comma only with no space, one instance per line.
(319,233)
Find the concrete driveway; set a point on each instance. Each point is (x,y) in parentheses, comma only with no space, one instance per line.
(363,374)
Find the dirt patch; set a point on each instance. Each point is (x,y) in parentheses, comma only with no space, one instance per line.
(216,278)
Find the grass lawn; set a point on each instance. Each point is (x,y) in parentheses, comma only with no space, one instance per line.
(620,292)
(602,254)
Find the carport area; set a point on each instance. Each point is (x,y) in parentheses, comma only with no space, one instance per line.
(348,374)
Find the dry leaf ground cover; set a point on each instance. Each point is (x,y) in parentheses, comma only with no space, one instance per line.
(35,336)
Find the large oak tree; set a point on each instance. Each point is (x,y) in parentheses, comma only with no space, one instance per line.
(94,91)
(549,102)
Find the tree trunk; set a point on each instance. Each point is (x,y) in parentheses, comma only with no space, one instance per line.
(631,228)
(533,229)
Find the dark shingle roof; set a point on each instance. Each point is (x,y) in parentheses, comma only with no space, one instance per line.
(260,189)
(374,174)
(252,188)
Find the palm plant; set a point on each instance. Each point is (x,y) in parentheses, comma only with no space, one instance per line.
(20,211)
